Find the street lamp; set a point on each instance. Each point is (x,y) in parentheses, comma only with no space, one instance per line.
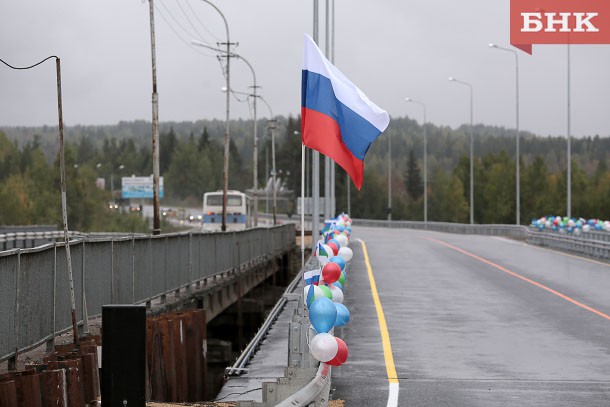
(425,159)
(226,138)
(452,79)
(255,143)
(272,128)
(518,178)
(389,177)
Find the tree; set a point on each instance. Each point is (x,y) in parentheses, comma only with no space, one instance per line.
(413,180)
(535,189)
(498,204)
(204,140)
(189,173)
(447,202)
(167,144)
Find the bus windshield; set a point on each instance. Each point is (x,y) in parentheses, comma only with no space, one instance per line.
(216,200)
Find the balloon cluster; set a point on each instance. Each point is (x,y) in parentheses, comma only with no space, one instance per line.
(324,293)
(569,225)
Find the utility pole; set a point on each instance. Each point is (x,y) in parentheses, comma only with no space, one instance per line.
(315,162)
(225,171)
(255,157)
(155,126)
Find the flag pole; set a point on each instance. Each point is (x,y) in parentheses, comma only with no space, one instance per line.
(302,206)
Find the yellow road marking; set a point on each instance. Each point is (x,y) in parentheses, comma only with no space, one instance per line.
(385,336)
(519,276)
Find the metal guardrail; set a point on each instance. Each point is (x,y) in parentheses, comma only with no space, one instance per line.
(31,239)
(34,292)
(591,244)
(243,359)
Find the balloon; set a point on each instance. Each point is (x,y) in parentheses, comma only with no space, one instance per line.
(322,314)
(337,284)
(342,354)
(337,293)
(346,253)
(342,278)
(324,347)
(342,314)
(339,261)
(342,239)
(586,228)
(317,293)
(326,292)
(334,247)
(331,271)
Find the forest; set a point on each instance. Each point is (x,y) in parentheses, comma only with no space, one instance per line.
(191,157)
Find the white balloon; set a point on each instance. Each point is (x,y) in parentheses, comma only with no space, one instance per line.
(324,347)
(317,292)
(337,293)
(342,239)
(346,254)
(586,228)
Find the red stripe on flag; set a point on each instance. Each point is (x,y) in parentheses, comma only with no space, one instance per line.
(321,133)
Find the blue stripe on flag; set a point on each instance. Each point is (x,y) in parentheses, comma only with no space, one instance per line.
(357,133)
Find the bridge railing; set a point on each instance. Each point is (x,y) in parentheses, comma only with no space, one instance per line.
(34,289)
(592,244)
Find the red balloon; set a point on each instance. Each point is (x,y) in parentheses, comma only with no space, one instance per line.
(331,272)
(342,354)
(333,247)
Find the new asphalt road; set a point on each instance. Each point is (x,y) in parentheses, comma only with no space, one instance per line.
(472,321)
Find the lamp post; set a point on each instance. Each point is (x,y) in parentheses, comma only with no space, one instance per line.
(389,177)
(452,79)
(255,138)
(569,170)
(272,125)
(226,138)
(272,128)
(425,159)
(518,178)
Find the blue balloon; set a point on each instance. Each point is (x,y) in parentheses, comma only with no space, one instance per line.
(335,241)
(342,314)
(338,260)
(322,314)
(598,226)
(338,285)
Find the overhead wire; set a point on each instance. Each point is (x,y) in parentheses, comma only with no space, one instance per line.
(180,37)
(203,25)
(27,67)
(189,21)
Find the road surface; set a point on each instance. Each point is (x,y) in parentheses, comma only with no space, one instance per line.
(473,321)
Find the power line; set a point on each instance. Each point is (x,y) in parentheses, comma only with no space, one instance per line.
(189,20)
(187,43)
(203,25)
(27,67)
(176,20)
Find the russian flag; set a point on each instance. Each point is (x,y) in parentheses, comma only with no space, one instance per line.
(337,119)
(312,276)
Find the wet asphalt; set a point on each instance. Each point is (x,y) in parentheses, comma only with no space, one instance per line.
(464,333)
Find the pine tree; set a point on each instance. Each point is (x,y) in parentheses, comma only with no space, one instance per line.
(413,180)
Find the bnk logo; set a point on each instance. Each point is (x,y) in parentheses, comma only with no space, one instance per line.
(559,22)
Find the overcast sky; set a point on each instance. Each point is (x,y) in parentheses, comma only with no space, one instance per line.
(391,49)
